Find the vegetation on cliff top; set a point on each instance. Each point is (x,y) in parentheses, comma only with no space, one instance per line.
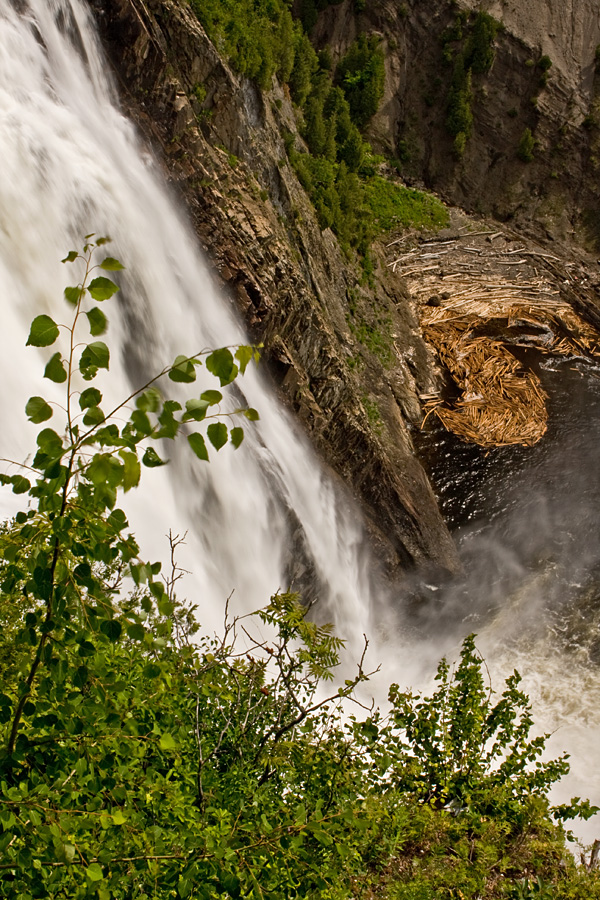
(468,46)
(334,105)
(142,758)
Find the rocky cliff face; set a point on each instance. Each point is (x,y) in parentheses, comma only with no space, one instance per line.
(555,195)
(348,359)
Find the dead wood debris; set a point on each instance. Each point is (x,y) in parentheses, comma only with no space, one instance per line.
(501,403)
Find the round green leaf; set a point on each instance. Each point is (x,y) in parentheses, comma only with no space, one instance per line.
(136,631)
(93,416)
(90,397)
(195,410)
(244,354)
(236,436)
(94,872)
(81,676)
(55,370)
(73,295)
(112,629)
(220,363)
(44,332)
(86,648)
(182,370)
(211,397)
(20,484)
(38,410)
(149,401)
(167,742)
(131,476)
(102,288)
(152,670)
(111,264)
(98,321)
(49,442)
(95,356)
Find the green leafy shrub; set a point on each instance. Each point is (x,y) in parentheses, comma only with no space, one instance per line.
(459,119)
(361,74)
(141,758)
(475,57)
(479,47)
(526,146)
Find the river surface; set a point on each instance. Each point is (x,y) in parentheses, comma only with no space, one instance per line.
(527,525)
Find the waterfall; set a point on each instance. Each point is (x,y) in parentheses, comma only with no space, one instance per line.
(72,164)
(256,517)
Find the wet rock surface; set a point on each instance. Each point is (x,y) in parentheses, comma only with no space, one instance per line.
(347,358)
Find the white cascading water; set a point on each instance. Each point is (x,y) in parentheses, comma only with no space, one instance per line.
(70,164)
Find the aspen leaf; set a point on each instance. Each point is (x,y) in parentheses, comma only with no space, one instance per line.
(38,410)
(152,459)
(111,264)
(182,370)
(102,288)
(98,321)
(55,369)
(220,363)
(217,434)
(198,445)
(43,332)
(236,436)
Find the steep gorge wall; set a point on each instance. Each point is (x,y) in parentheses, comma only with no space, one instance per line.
(220,142)
(555,196)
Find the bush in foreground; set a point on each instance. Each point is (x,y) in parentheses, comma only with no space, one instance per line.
(141,758)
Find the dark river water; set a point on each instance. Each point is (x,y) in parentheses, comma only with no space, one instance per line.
(527,525)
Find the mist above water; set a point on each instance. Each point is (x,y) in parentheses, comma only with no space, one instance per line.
(527,526)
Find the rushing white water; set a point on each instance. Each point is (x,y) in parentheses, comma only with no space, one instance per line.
(71,164)
(529,537)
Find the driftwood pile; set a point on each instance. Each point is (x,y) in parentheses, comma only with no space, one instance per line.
(501,403)
(463,291)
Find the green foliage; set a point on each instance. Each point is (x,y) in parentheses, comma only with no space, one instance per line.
(377,338)
(308,11)
(468,752)
(479,47)
(476,56)
(361,74)
(141,758)
(373,414)
(394,206)
(338,198)
(526,146)
(544,63)
(459,119)
(258,36)
(335,107)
